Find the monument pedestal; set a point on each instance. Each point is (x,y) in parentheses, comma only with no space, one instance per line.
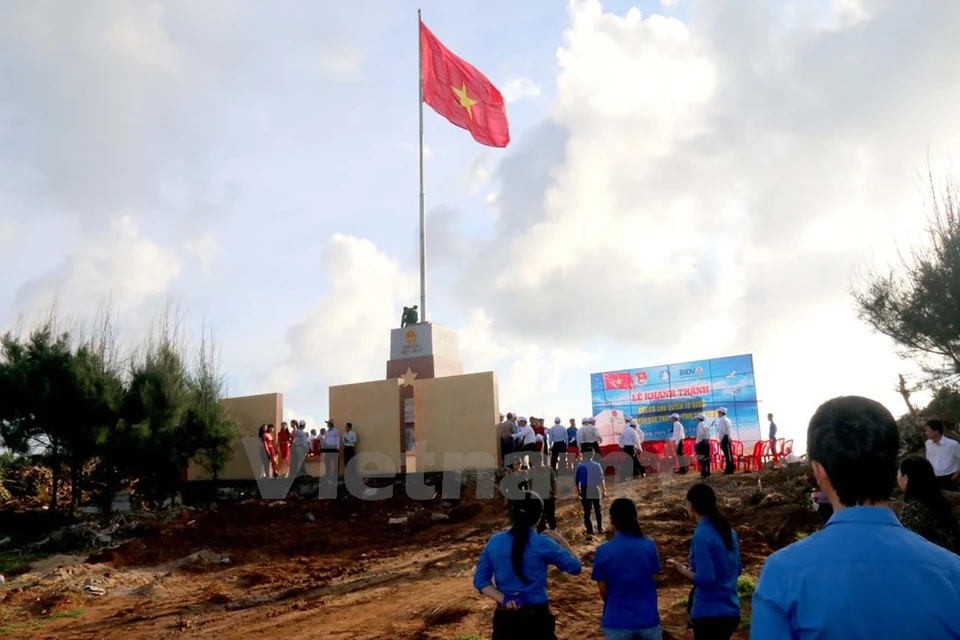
(428,351)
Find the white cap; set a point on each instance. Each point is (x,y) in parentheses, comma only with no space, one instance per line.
(593,420)
(632,422)
(585,421)
(700,416)
(722,410)
(557,420)
(675,415)
(521,419)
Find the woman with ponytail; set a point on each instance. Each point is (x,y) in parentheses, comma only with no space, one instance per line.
(512,571)
(714,568)
(624,569)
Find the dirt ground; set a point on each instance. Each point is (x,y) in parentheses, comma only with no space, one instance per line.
(306,568)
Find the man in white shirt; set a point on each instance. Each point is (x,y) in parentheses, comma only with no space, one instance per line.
(723,435)
(588,438)
(677,439)
(558,446)
(330,448)
(349,445)
(703,446)
(526,437)
(630,441)
(943,454)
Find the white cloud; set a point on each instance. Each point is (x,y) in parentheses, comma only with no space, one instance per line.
(204,249)
(669,5)
(118,265)
(516,89)
(346,337)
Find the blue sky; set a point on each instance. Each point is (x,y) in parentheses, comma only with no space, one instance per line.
(685,181)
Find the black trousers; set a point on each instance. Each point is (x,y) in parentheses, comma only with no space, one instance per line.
(589,446)
(681,460)
(526,623)
(715,628)
(593,503)
(638,469)
(549,518)
(727,449)
(348,453)
(703,457)
(558,450)
(946,483)
(506,448)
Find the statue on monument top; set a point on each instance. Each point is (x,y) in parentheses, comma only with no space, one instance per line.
(410,316)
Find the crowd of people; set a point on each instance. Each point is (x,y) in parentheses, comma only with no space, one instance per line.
(865,574)
(292,445)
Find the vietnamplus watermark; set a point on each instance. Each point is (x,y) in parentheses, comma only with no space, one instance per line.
(481,465)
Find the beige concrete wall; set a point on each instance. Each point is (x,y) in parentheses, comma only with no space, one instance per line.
(456,415)
(249,412)
(376,411)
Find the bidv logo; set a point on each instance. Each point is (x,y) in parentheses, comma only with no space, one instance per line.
(698,371)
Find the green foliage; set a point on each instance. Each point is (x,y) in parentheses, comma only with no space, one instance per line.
(917,303)
(69,401)
(746,585)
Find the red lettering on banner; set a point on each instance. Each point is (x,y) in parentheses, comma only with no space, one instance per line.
(668,394)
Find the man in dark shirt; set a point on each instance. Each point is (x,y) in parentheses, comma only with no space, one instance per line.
(773,430)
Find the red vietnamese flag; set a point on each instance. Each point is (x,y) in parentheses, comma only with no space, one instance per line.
(461,94)
(617,381)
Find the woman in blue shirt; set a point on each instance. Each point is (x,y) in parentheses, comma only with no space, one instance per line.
(624,569)
(512,571)
(714,568)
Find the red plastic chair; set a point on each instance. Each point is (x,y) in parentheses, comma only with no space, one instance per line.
(768,454)
(690,454)
(736,449)
(716,455)
(754,462)
(787,447)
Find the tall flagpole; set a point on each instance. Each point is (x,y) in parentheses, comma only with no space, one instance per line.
(423,224)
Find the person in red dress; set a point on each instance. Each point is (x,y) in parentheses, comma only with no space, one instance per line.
(283,444)
(268,444)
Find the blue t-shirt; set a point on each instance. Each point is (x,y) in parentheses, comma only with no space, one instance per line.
(627,565)
(716,570)
(572,436)
(589,476)
(541,552)
(864,575)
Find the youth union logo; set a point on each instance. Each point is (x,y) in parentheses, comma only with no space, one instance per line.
(641,377)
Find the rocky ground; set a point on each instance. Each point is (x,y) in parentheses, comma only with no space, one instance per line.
(306,568)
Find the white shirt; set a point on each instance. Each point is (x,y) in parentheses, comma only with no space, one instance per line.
(945,456)
(558,433)
(630,438)
(301,438)
(723,427)
(527,435)
(587,433)
(678,434)
(331,439)
(350,438)
(703,431)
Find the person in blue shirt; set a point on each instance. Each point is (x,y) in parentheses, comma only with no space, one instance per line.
(624,569)
(864,575)
(714,568)
(512,571)
(592,488)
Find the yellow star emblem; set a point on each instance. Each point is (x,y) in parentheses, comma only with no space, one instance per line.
(408,378)
(465,100)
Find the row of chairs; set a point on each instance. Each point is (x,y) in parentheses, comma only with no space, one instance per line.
(764,451)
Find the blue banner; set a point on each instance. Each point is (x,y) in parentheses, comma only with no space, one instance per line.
(652,394)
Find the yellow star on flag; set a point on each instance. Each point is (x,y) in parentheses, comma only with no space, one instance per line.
(408,378)
(465,100)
